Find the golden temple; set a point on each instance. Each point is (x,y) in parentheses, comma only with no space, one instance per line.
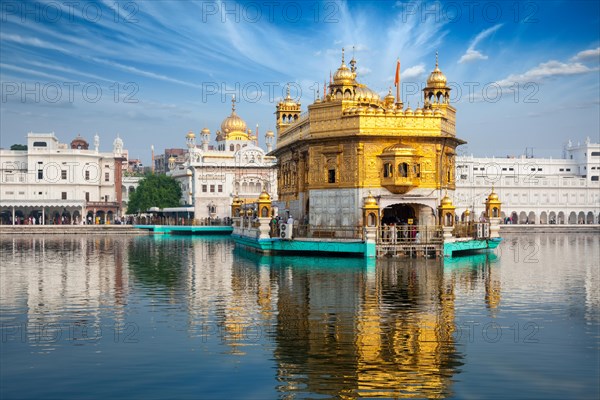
(352,143)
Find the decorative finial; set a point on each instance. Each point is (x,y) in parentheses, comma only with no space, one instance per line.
(436,59)
(233,103)
(342,55)
(287,97)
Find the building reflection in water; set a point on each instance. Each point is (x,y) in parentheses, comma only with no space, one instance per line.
(329,326)
(345,328)
(63,282)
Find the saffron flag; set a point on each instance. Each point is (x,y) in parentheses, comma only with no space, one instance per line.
(397,80)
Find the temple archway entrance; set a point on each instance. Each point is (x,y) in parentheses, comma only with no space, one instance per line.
(398,214)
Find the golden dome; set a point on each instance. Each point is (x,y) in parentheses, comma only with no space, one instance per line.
(343,73)
(436,79)
(288,101)
(446,201)
(269,134)
(233,123)
(205,131)
(493,196)
(366,94)
(190,135)
(419,111)
(264,196)
(467,212)
(408,111)
(389,98)
(172,159)
(370,200)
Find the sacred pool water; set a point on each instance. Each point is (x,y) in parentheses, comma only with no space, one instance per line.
(192,317)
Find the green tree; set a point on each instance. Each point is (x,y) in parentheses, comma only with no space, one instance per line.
(18,147)
(154,191)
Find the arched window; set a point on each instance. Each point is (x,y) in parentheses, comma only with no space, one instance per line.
(403,169)
(449,219)
(388,170)
(231,148)
(371,219)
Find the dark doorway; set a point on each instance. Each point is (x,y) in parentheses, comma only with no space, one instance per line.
(398,214)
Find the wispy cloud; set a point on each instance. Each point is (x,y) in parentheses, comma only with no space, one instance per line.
(472,54)
(587,54)
(29,41)
(546,70)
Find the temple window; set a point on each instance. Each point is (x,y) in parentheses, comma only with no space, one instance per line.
(388,170)
(331,176)
(403,170)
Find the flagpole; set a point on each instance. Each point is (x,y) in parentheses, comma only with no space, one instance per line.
(398,100)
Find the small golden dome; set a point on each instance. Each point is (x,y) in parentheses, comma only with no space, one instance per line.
(343,73)
(408,111)
(467,212)
(370,201)
(446,201)
(389,98)
(288,101)
(190,135)
(438,112)
(493,196)
(436,79)
(264,196)
(172,159)
(205,131)
(269,134)
(427,111)
(419,111)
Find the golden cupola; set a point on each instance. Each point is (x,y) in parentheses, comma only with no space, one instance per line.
(288,111)
(437,79)
(437,90)
(343,75)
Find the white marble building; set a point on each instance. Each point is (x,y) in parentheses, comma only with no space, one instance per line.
(55,182)
(534,190)
(237,166)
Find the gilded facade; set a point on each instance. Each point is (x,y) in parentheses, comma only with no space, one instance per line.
(353,142)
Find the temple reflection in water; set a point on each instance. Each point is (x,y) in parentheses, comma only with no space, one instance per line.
(328,326)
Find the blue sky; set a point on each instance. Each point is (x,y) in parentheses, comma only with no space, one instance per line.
(525,74)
